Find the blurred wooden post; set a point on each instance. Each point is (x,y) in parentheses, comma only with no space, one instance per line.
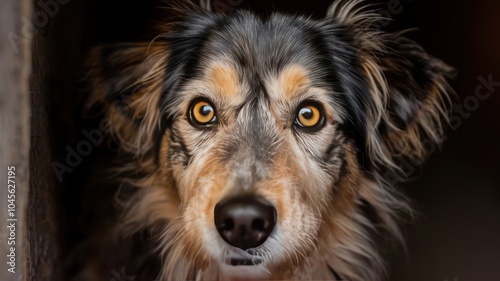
(15,68)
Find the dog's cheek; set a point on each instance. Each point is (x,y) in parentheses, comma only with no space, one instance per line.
(203,191)
(298,198)
(301,165)
(187,156)
(178,155)
(202,185)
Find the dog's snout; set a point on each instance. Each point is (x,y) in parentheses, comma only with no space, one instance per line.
(245,222)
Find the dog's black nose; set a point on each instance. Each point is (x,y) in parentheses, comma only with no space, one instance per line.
(245,222)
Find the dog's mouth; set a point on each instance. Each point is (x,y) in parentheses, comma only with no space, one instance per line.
(243,262)
(238,258)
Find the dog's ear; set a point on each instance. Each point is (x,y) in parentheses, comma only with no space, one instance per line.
(126,84)
(410,95)
(128,79)
(417,99)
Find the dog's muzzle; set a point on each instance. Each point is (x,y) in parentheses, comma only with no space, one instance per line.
(245,222)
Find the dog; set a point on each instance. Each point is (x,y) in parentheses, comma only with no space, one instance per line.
(255,148)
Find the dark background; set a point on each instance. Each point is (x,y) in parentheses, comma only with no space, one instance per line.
(456,235)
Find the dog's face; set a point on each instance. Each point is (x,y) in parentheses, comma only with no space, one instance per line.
(266,140)
(258,119)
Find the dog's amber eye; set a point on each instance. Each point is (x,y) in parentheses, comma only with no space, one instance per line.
(202,113)
(309,116)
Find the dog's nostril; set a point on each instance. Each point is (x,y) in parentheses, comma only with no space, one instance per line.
(245,222)
(228,224)
(258,224)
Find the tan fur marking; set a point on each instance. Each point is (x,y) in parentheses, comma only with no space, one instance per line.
(214,197)
(345,198)
(225,79)
(292,79)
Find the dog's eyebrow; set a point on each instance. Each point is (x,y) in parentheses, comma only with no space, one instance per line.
(292,79)
(224,78)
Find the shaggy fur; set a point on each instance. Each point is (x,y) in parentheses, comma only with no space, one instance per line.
(381,97)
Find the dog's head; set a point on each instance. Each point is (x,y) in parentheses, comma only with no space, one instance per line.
(262,144)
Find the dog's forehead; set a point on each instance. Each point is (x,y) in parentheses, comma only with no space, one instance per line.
(256,42)
(232,81)
(255,52)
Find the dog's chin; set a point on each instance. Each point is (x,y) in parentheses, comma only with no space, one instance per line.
(234,263)
(240,265)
